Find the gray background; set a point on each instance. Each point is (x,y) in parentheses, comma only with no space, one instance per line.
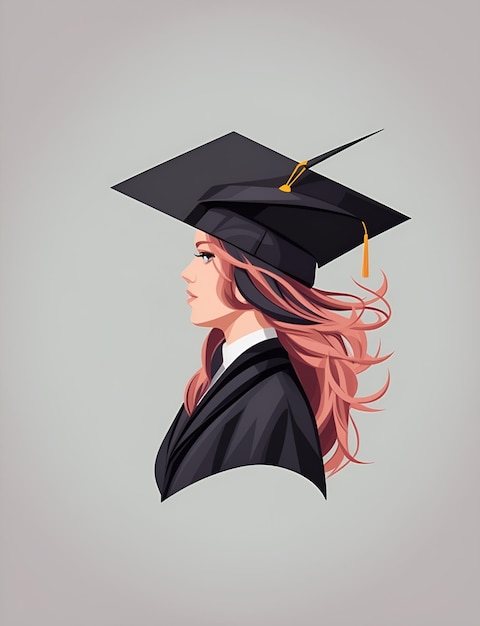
(96,344)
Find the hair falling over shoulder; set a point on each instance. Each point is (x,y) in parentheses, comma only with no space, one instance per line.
(328,350)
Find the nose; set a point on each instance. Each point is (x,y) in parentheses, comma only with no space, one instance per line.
(188,274)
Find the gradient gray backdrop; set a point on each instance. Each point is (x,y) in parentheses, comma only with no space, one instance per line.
(96,344)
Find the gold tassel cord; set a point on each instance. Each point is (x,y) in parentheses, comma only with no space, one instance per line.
(294,176)
(365,268)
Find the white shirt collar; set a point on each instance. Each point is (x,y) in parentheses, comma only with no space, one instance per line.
(231,351)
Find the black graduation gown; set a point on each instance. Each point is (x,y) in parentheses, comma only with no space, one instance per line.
(256,413)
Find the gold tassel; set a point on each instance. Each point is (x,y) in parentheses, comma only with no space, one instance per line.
(365,253)
(294,176)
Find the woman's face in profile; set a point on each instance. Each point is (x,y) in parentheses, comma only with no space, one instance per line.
(204,288)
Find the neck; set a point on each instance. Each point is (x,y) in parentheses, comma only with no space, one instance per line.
(244,324)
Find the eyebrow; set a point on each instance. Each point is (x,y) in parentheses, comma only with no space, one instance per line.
(199,243)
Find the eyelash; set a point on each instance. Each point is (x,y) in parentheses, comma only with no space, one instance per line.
(206,256)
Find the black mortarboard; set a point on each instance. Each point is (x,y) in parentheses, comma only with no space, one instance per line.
(263,203)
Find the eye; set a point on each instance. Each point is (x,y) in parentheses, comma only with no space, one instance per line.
(206,256)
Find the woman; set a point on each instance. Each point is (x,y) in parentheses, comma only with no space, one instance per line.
(280,364)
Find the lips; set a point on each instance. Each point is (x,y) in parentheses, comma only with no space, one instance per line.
(191,297)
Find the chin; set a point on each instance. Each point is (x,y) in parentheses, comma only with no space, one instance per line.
(209,322)
(213,319)
(201,324)
(196,320)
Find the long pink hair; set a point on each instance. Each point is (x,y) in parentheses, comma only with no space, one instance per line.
(327,356)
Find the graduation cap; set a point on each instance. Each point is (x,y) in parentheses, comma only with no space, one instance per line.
(265,204)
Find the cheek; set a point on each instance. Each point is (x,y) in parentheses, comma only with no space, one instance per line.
(213,301)
(216,298)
